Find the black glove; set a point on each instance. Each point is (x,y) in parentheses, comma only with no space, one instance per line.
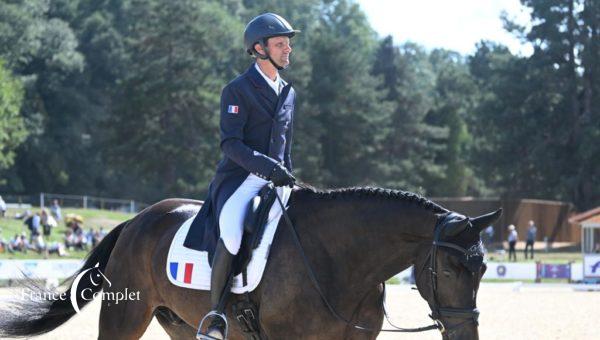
(280,176)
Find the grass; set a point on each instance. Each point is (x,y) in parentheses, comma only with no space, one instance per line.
(93,218)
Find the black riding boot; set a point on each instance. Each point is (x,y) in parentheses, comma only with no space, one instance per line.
(221,270)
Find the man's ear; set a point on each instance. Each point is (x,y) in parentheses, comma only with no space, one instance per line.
(259,48)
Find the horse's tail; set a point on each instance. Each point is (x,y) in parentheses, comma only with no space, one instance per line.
(39,311)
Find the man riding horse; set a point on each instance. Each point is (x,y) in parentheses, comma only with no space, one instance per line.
(256,139)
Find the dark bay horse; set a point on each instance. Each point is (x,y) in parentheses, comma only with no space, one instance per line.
(354,240)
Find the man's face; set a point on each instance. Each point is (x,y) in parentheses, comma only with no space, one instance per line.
(279,49)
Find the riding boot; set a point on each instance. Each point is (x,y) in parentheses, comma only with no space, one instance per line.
(219,280)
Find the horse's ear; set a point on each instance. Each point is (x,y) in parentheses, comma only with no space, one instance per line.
(456,225)
(481,222)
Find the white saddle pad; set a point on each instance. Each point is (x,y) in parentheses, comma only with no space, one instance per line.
(189,268)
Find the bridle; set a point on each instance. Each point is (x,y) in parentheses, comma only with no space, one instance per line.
(471,315)
(437,313)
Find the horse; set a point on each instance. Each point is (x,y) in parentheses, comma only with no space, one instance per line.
(353,240)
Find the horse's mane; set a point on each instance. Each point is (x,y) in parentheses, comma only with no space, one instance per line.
(361,192)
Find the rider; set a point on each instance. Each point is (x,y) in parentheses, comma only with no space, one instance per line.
(256,150)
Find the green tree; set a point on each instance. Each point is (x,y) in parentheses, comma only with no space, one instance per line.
(41,50)
(164,130)
(348,110)
(454,100)
(12,127)
(406,157)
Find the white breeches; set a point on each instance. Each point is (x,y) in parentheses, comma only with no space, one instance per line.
(231,220)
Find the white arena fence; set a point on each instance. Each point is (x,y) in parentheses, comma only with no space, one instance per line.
(91,202)
(61,269)
(45,199)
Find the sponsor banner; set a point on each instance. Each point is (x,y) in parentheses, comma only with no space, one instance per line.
(554,271)
(38,269)
(495,270)
(591,265)
(510,271)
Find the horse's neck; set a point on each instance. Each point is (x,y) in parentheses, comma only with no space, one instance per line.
(365,243)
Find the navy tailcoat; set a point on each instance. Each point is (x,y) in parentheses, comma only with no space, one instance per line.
(256,133)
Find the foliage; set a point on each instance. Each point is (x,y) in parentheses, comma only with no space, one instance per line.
(120,98)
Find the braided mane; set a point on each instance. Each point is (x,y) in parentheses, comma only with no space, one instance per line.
(361,192)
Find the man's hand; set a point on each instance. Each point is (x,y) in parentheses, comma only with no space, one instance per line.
(280,176)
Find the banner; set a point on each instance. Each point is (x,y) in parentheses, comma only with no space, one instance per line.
(591,266)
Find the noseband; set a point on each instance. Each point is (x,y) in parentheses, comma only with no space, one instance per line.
(437,312)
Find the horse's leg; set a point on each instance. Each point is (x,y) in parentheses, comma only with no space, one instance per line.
(174,325)
(125,319)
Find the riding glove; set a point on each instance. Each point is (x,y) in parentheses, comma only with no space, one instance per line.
(280,176)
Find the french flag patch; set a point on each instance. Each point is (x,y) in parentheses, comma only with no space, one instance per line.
(233,109)
(184,275)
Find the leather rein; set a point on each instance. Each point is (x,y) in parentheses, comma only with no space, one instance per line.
(471,315)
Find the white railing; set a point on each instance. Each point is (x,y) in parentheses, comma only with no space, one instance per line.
(91,202)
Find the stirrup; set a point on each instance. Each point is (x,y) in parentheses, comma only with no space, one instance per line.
(213,313)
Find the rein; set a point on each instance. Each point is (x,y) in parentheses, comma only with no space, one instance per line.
(438,325)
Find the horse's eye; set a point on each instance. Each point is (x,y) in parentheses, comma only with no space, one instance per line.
(446,273)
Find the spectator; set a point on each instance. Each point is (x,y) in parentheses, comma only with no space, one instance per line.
(23,243)
(57,248)
(101,234)
(2,207)
(512,241)
(48,222)
(90,238)
(3,244)
(13,245)
(55,209)
(33,224)
(38,244)
(69,239)
(77,237)
(531,234)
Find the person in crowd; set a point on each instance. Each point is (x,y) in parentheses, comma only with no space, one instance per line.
(57,248)
(2,207)
(33,223)
(90,238)
(14,244)
(101,234)
(55,210)
(531,235)
(69,239)
(38,245)
(24,243)
(3,244)
(512,242)
(48,222)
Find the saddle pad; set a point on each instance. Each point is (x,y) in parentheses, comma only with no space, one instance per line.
(189,268)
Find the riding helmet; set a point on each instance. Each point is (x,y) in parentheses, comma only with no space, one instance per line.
(263,27)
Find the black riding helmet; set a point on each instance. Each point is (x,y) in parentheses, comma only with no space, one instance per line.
(263,27)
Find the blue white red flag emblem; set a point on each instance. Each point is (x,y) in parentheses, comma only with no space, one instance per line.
(232,109)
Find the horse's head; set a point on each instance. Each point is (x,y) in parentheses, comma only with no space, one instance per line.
(448,272)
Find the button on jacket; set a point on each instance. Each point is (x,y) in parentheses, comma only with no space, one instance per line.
(256,134)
